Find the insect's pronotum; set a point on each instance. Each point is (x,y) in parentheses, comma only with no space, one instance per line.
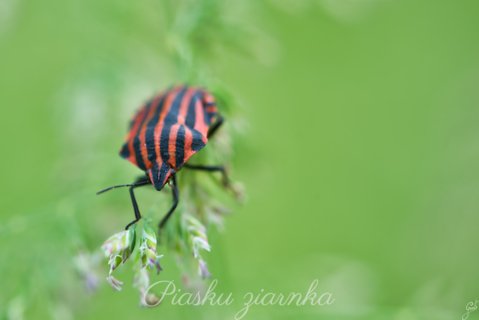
(162,137)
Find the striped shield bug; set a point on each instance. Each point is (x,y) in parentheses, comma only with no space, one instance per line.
(164,134)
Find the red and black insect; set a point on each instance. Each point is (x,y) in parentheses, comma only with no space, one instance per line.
(164,134)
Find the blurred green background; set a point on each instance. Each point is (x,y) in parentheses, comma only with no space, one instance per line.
(358,148)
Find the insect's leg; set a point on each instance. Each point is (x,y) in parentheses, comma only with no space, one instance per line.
(215,126)
(225,179)
(137,184)
(175,193)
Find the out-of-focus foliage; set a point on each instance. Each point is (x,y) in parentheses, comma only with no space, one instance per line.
(360,154)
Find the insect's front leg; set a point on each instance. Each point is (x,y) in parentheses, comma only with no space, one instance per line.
(143,181)
(175,193)
(214,127)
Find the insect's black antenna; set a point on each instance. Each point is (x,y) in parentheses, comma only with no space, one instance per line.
(140,182)
(114,187)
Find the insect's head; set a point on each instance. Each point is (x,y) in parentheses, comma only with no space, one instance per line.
(159,174)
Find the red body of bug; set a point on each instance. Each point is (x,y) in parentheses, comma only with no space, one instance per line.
(165,133)
(168,130)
